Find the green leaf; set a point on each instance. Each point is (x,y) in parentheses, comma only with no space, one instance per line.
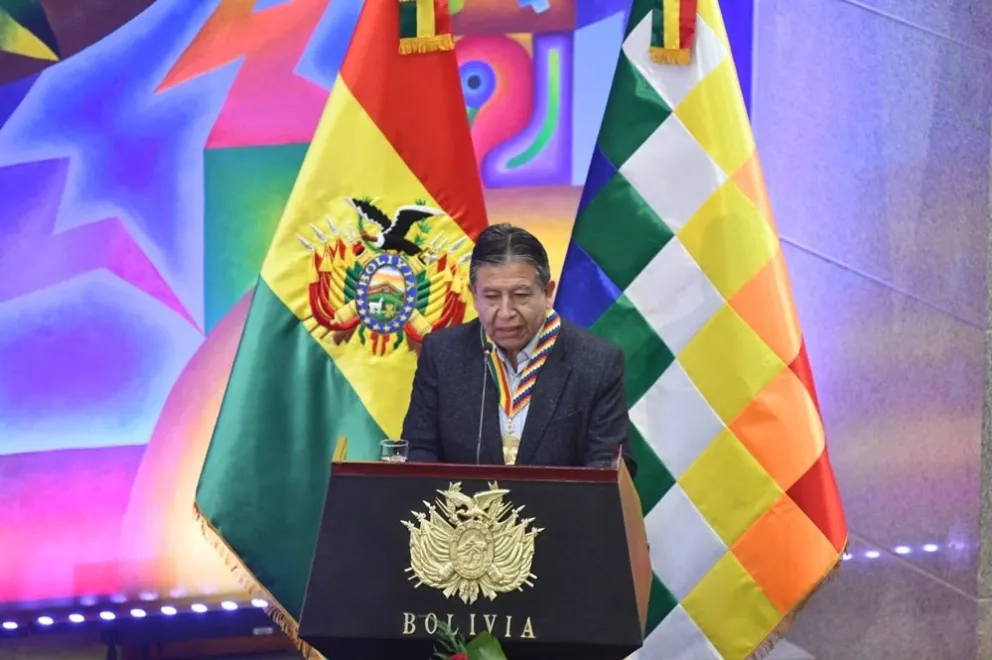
(448,640)
(351,277)
(484,647)
(423,228)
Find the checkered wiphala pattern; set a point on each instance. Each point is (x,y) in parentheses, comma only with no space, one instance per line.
(675,257)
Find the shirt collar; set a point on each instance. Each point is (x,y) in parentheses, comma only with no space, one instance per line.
(525,353)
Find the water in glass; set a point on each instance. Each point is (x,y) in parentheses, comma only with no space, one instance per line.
(393,451)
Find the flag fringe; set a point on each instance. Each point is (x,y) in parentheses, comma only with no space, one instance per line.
(250,583)
(779,632)
(679,56)
(419,45)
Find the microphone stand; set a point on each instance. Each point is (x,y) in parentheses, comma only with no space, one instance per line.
(486,352)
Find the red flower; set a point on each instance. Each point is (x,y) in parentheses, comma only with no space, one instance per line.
(458,656)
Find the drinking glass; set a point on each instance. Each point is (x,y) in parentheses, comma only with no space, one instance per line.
(394,451)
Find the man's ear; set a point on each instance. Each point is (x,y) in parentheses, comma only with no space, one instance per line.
(549,291)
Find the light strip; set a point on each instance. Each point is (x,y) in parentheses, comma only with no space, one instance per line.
(117,611)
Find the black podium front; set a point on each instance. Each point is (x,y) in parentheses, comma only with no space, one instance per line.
(551,561)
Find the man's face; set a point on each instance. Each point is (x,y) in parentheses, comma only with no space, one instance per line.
(511,302)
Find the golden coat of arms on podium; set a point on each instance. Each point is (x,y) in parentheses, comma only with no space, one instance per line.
(467,546)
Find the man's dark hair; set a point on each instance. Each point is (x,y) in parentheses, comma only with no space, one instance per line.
(503,243)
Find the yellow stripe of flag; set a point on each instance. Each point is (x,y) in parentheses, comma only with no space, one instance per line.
(329,175)
(672,11)
(425,18)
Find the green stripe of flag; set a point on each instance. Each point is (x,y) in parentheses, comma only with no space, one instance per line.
(638,10)
(408,19)
(661,602)
(646,354)
(263,483)
(658,27)
(634,110)
(653,479)
(620,231)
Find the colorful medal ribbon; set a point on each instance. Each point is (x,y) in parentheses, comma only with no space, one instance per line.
(513,403)
(425,26)
(673,29)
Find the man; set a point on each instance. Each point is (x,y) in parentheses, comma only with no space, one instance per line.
(534,388)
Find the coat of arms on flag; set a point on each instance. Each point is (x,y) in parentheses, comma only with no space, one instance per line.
(385,279)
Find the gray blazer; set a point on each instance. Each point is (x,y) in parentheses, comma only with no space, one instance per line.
(577,417)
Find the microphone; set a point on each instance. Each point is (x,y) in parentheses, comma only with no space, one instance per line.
(487,350)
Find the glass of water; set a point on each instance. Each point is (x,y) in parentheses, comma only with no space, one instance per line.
(394,451)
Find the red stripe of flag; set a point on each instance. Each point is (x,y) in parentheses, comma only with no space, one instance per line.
(800,367)
(687,23)
(817,495)
(442,18)
(416,101)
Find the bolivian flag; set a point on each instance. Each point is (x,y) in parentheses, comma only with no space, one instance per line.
(371,255)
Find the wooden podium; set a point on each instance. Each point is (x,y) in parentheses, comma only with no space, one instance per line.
(552,561)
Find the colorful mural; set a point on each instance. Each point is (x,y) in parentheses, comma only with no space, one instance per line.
(146,151)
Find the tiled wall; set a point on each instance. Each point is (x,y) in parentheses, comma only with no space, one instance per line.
(873,122)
